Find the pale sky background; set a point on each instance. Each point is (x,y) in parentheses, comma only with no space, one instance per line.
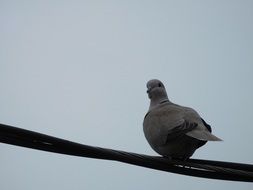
(78,70)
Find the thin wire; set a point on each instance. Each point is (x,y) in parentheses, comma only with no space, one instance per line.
(191,167)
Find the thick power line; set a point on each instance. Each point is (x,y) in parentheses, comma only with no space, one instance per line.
(192,167)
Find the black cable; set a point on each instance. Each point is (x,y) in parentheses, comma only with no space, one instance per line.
(192,167)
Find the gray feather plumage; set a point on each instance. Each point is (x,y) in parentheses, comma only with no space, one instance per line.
(173,130)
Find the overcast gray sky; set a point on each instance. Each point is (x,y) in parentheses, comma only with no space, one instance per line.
(78,69)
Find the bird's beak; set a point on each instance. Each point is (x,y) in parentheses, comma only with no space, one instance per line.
(148,90)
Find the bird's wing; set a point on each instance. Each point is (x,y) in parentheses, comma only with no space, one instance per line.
(203,130)
(166,123)
(180,130)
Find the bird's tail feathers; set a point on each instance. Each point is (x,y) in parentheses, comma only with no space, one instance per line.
(203,135)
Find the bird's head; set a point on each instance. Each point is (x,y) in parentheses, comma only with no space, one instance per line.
(156,89)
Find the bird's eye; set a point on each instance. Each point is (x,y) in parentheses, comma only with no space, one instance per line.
(160,85)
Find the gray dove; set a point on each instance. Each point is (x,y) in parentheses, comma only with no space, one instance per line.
(172,130)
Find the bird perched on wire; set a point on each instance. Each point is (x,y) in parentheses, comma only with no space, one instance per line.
(172,130)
